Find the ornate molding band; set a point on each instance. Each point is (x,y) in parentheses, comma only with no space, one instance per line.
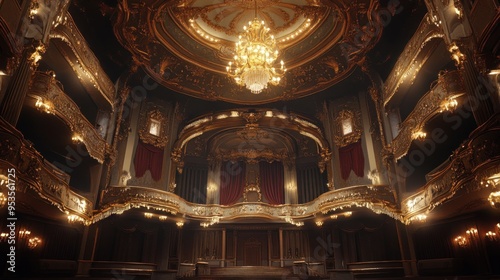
(51,99)
(406,63)
(35,175)
(448,86)
(84,63)
(379,199)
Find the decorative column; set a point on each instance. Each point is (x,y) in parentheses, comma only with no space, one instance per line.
(391,169)
(16,91)
(281,247)
(479,91)
(223,256)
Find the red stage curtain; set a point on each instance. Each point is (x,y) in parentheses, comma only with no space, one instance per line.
(272,182)
(351,158)
(148,157)
(232,182)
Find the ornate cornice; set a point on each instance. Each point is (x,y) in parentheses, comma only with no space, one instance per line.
(83,61)
(469,170)
(33,174)
(448,86)
(50,98)
(410,61)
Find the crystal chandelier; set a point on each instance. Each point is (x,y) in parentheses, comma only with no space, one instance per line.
(254,58)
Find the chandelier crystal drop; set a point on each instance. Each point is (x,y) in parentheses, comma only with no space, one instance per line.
(254,59)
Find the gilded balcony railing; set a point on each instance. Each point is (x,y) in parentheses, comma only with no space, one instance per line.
(34,176)
(446,90)
(471,169)
(116,200)
(83,61)
(409,62)
(50,98)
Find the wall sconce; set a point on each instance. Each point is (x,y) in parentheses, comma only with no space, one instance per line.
(319,223)
(472,232)
(148,215)
(461,241)
(3,200)
(162,218)
(4,236)
(491,236)
(34,242)
(179,224)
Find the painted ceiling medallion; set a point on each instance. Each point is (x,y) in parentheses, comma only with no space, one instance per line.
(187,44)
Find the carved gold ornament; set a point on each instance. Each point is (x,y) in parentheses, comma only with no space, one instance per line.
(154,129)
(347,128)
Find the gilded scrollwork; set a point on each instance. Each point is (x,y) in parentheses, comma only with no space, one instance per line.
(35,174)
(448,86)
(153,129)
(463,172)
(86,60)
(406,67)
(347,127)
(50,97)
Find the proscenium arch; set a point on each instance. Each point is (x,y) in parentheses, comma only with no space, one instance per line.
(267,119)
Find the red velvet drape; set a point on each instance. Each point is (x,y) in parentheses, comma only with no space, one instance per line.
(232,182)
(148,157)
(351,158)
(272,182)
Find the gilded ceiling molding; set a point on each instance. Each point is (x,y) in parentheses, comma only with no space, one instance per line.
(50,98)
(471,169)
(185,46)
(83,61)
(116,200)
(252,155)
(410,61)
(448,87)
(38,178)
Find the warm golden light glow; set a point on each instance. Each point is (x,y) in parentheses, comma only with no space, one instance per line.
(461,241)
(418,135)
(450,104)
(162,218)
(254,59)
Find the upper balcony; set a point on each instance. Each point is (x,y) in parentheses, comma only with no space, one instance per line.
(35,180)
(47,95)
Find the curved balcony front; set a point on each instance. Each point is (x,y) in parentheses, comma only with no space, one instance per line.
(49,97)
(448,87)
(35,177)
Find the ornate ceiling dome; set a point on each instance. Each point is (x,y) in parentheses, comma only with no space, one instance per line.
(186,44)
